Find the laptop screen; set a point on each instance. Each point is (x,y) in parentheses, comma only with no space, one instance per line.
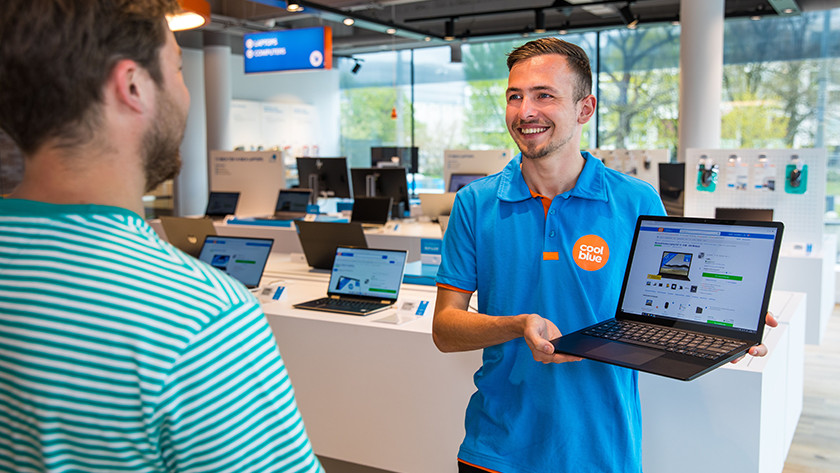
(220,204)
(701,271)
(292,200)
(242,258)
(367,272)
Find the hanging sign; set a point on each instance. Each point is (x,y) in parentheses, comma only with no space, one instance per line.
(288,50)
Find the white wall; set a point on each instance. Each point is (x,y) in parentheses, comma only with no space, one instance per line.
(319,89)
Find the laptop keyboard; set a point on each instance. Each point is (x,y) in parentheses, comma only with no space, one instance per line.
(677,341)
(347,304)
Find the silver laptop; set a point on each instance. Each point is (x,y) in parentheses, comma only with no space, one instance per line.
(291,204)
(694,297)
(363,281)
(187,234)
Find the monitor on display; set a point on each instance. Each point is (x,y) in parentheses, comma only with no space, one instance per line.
(383,182)
(327,177)
(384,156)
(672,187)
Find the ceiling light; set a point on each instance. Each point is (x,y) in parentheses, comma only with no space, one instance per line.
(627,16)
(391,31)
(449,30)
(755,17)
(349,21)
(192,14)
(427,38)
(539,21)
(293,7)
(563,32)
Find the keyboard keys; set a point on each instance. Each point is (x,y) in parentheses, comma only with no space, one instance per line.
(672,340)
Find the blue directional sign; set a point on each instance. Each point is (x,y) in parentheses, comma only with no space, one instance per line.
(287,50)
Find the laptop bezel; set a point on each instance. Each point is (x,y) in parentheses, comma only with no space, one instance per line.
(750,336)
(270,242)
(218,193)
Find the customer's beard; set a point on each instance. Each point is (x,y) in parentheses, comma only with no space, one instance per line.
(162,143)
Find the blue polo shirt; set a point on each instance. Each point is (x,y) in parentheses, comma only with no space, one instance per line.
(565,263)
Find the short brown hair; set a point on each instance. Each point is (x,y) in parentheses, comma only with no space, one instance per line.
(56,55)
(576,57)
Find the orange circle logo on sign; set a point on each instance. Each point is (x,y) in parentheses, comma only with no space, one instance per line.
(591,252)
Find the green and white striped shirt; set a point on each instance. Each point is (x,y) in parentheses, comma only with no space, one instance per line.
(119,352)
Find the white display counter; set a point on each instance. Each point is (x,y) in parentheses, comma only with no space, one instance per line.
(381,394)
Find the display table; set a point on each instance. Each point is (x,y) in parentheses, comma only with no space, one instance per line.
(396,235)
(381,394)
(740,417)
(814,274)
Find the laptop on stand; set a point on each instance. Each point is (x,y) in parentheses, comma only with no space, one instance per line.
(291,204)
(243,258)
(371,211)
(705,308)
(363,281)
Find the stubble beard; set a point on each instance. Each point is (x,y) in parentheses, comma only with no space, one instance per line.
(162,143)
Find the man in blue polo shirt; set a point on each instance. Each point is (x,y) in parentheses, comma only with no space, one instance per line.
(544,242)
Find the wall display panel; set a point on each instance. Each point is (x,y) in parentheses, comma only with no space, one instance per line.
(791,182)
(640,163)
(465,161)
(257,175)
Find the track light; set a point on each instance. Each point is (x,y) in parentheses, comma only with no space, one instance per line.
(449,30)
(539,21)
(627,16)
(358,66)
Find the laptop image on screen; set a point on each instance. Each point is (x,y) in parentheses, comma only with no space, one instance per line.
(683,329)
(242,258)
(363,281)
(187,234)
(221,204)
(675,265)
(291,204)
(320,239)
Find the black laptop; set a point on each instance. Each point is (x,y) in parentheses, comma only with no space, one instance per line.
(363,281)
(371,211)
(320,239)
(683,328)
(242,258)
(221,204)
(291,204)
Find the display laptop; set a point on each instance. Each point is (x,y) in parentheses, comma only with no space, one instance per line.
(320,239)
(243,258)
(683,329)
(291,204)
(371,211)
(187,234)
(435,205)
(725,213)
(363,281)
(221,204)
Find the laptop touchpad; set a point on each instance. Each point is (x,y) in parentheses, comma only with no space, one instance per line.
(626,353)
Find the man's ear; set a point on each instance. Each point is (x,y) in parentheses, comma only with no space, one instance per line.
(586,107)
(130,85)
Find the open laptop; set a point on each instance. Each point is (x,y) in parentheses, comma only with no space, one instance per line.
(363,281)
(435,205)
(291,204)
(187,234)
(320,239)
(371,211)
(221,204)
(457,180)
(725,213)
(243,258)
(683,329)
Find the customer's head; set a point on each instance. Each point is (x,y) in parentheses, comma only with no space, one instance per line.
(57,55)
(576,58)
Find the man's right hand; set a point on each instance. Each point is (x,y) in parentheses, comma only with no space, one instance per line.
(538,333)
